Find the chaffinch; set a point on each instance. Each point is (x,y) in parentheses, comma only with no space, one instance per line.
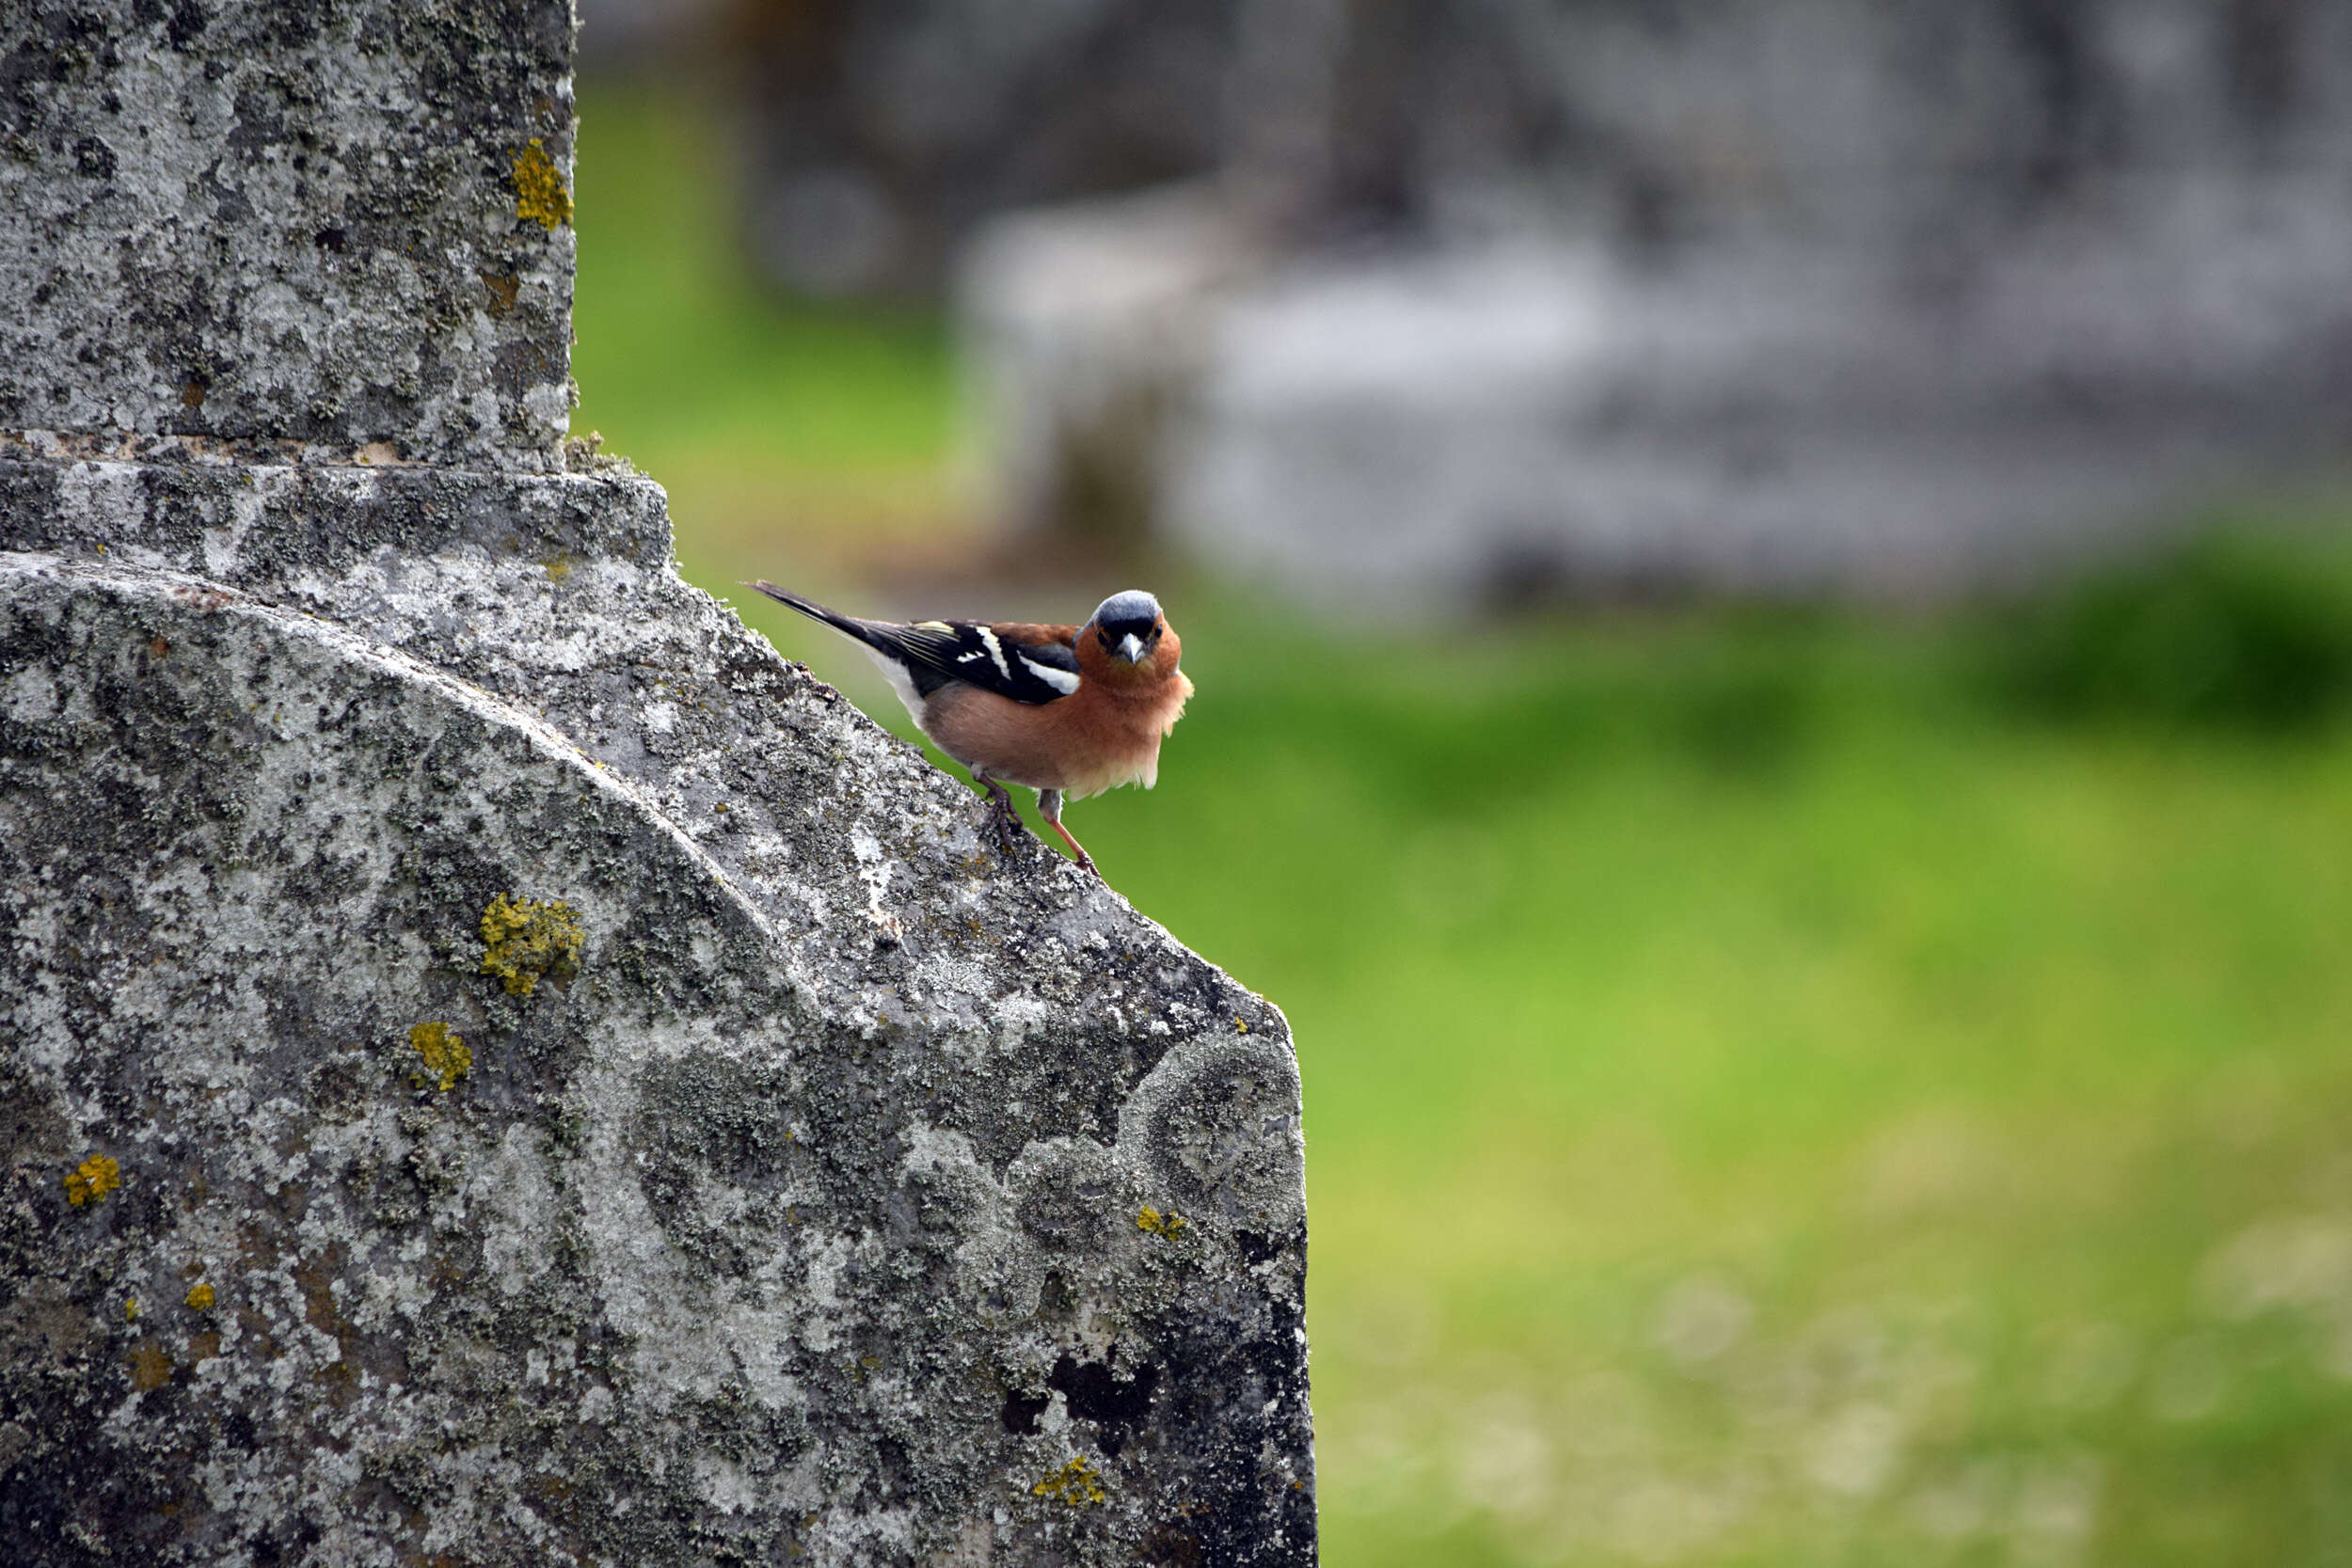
(1063,710)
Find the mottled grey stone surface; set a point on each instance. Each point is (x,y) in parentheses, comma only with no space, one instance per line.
(831,1186)
(337,222)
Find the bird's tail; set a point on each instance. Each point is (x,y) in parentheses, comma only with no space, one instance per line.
(862,630)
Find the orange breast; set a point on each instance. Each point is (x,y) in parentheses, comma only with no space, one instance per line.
(1094,739)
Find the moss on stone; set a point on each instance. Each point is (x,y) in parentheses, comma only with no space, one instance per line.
(447,1057)
(523,940)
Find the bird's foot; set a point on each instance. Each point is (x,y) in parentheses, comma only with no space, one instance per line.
(1004,818)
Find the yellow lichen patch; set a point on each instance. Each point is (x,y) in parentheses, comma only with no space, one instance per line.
(1076,1483)
(447,1057)
(151,1368)
(1159,1223)
(539,192)
(523,940)
(130,1310)
(91,1181)
(200,1296)
(557,566)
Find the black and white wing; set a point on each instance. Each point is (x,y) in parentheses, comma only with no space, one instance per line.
(1033,664)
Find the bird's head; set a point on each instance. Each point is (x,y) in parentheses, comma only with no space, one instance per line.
(1128,628)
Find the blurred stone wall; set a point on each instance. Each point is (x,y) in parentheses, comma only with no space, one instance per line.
(1433,300)
(1813,295)
(496,1066)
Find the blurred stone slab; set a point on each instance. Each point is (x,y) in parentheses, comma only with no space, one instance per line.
(1084,332)
(497,1067)
(1884,299)
(1439,432)
(335,225)
(1426,429)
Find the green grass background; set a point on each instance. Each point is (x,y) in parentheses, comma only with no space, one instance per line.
(1780,1088)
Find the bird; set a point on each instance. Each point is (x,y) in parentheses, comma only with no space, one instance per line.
(1068,711)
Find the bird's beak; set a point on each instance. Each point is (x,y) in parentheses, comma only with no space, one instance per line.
(1131,649)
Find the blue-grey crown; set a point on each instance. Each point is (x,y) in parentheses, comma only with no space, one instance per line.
(1132,612)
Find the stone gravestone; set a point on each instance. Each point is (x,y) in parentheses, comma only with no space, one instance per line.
(498,1067)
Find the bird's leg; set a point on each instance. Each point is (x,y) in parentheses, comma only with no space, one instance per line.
(1049,807)
(1004,814)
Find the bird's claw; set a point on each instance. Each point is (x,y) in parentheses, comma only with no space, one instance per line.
(1004,819)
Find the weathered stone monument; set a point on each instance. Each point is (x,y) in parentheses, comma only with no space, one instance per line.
(496,1066)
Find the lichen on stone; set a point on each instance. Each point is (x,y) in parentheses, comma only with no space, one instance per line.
(200,1296)
(91,1181)
(447,1057)
(1165,1225)
(151,1368)
(524,939)
(131,1309)
(1076,1483)
(539,192)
